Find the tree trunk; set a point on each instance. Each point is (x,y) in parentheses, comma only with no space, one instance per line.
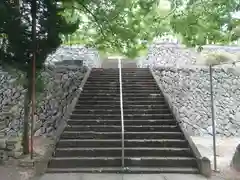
(27,100)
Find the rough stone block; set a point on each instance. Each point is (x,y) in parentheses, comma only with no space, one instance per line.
(11,143)
(2,143)
(236,159)
(10,147)
(3,155)
(14,154)
(26,162)
(12,140)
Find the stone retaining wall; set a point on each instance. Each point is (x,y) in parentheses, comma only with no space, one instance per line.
(188,88)
(61,83)
(168,54)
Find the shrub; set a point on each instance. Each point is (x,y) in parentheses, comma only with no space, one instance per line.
(217,58)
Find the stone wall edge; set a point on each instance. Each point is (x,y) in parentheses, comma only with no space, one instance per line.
(196,152)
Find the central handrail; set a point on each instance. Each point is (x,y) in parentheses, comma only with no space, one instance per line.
(121,108)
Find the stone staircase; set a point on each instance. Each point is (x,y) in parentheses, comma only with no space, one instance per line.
(153,140)
(92,141)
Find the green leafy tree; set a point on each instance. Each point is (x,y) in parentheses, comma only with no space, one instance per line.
(206,21)
(114,26)
(17,43)
(117,27)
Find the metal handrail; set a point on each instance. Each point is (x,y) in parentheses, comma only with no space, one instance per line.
(213,119)
(121,106)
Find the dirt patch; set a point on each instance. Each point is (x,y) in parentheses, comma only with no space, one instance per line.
(22,168)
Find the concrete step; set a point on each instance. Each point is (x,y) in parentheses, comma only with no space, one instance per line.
(160,162)
(148,98)
(133,128)
(103,85)
(92,90)
(127,170)
(135,111)
(140,94)
(118,135)
(133,83)
(100,84)
(135,69)
(103,79)
(89,143)
(116,152)
(117,106)
(97,91)
(145,102)
(104,70)
(149,91)
(101,88)
(136,76)
(124,77)
(88,152)
(118,122)
(118,116)
(117,98)
(125,94)
(150,128)
(125,82)
(95,128)
(145,111)
(93,143)
(97,106)
(96,111)
(131,74)
(99,98)
(73,162)
(94,74)
(96,116)
(101,75)
(145,106)
(99,102)
(90,95)
(147,116)
(90,122)
(140,87)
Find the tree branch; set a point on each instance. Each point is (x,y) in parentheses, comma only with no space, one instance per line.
(94,17)
(169,14)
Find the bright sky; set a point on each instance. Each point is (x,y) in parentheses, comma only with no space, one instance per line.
(237,15)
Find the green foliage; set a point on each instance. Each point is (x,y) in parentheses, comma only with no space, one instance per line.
(17,45)
(206,21)
(217,58)
(116,27)
(15,24)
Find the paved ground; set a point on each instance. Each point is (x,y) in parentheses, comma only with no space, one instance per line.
(13,172)
(225,149)
(121,177)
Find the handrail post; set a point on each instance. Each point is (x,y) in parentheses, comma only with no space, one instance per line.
(213,120)
(121,106)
